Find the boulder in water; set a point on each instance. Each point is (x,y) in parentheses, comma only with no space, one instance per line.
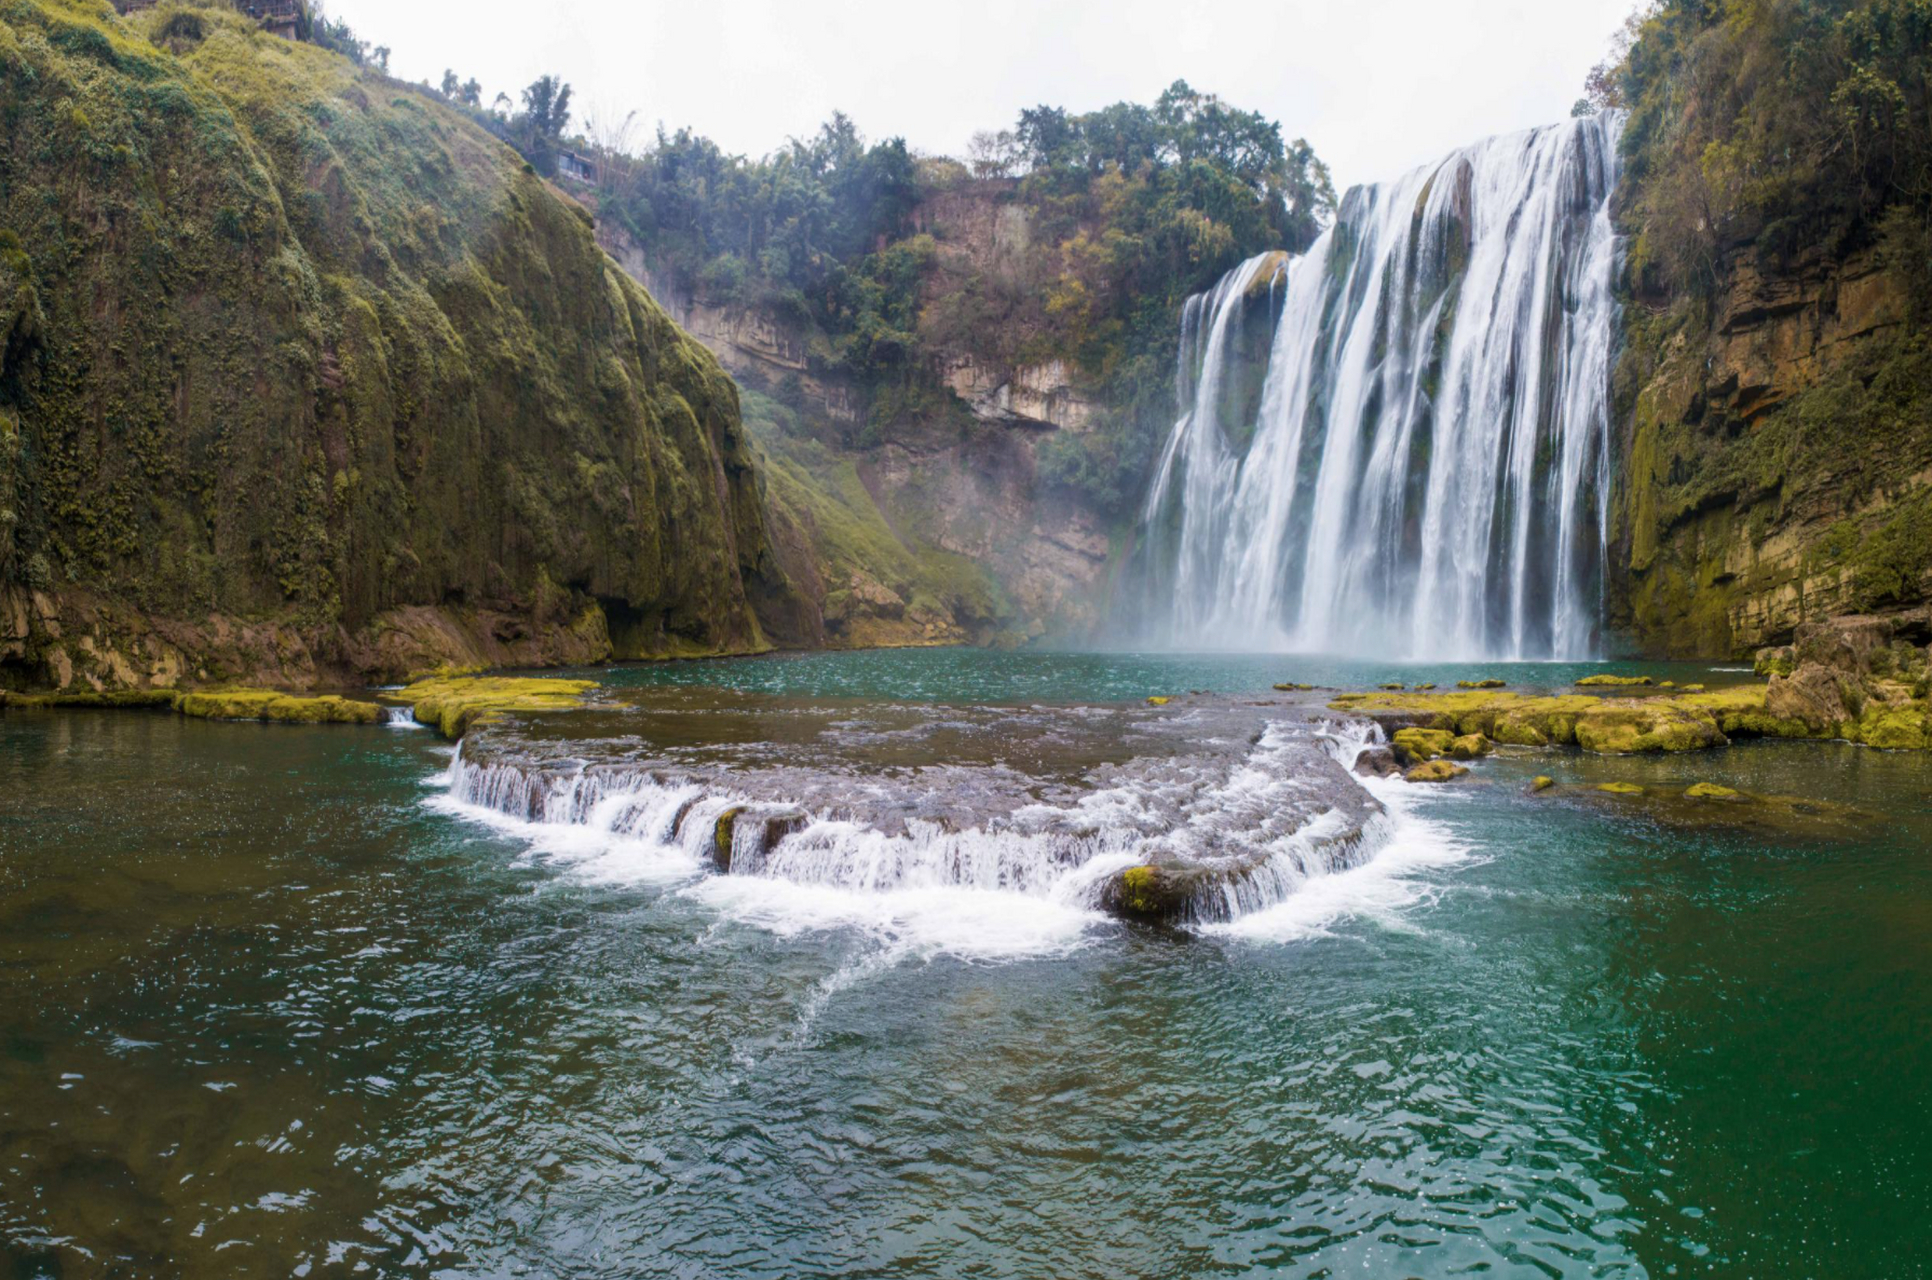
(1435,771)
(1541,782)
(1376,762)
(1620,788)
(1614,681)
(1488,683)
(1470,746)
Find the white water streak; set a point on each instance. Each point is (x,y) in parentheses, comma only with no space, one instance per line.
(1429,467)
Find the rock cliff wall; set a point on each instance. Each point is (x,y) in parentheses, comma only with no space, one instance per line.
(304,377)
(965,542)
(1776,457)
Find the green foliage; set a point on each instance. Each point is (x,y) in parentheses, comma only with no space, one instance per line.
(1125,211)
(1789,122)
(308,345)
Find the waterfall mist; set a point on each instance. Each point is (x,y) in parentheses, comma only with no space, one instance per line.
(1423,468)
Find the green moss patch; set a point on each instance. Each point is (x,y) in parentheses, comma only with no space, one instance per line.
(276,706)
(454,705)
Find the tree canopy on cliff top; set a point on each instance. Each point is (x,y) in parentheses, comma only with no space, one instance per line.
(1790,123)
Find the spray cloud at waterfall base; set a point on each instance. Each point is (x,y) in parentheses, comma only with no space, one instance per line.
(1422,469)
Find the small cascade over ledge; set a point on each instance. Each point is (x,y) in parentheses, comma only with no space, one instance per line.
(1425,468)
(1226,809)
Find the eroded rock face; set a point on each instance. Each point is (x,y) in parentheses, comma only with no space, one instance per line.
(1765,480)
(1860,677)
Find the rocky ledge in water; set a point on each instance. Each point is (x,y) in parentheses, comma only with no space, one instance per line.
(1191,812)
(1853,679)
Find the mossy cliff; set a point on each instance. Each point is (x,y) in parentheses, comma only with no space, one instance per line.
(302,374)
(1774,395)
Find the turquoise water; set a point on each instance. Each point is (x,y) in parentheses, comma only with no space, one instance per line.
(992,676)
(265,1011)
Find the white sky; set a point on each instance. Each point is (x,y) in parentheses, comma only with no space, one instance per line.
(1377,86)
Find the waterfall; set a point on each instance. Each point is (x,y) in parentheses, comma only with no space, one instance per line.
(1428,463)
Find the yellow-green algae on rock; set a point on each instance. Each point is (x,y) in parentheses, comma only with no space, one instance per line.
(1710,791)
(1614,681)
(1415,746)
(1607,725)
(1620,788)
(452,705)
(274,705)
(271,705)
(1435,771)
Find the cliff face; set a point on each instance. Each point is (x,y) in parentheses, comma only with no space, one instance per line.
(938,529)
(1776,454)
(304,377)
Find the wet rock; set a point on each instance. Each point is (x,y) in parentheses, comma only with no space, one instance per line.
(1151,893)
(1159,700)
(1435,771)
(1541,782)
(1614,681)
(1470,746)
(1490,683)
(1395,685)
(1377,762)
(742,836)
(1620,788)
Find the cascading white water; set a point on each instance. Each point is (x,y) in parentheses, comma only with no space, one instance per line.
(1260,814)
(1429,462)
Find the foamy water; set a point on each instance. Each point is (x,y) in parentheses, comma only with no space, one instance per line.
(1028,887)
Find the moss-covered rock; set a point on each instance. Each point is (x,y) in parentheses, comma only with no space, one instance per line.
(1540,783)
(453,705)
(274,705)
(1414,746)
(1629,726)
(1435,771)
(1489,682)
(1470,746)
(1620,788)
(309,346)
(1711,791)
(1614,681)
(1679,721)
(1905,728)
